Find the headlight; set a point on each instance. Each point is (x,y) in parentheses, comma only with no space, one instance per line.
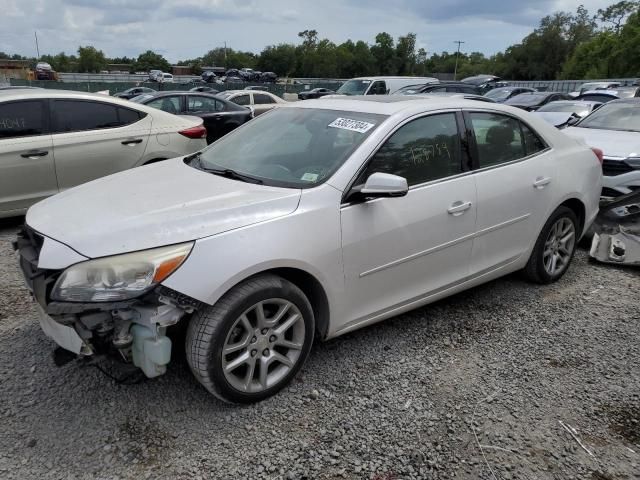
(120,277)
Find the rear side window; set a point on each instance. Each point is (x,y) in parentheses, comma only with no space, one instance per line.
(22,119)
(80,115)
(203,104)
(262,99)
(502,139)
(166,104)
(423,150)
(242,100)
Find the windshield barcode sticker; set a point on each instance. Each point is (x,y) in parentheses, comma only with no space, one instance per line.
(353,125)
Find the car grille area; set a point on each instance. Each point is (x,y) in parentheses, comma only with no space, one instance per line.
(40,281)
(612,168)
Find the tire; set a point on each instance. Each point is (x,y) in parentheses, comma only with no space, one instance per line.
(537,270)
(235,322)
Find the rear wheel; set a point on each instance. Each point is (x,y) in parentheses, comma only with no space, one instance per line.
(554,248)
(252,342)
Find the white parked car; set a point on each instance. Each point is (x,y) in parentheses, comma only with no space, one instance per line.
(258,101)
(317,218)
(52,140)
(615,129)
(164,78)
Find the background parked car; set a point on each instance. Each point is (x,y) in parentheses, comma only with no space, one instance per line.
(219,115)
(485,82)
(260,102)
(502,94)
(314,93)
(595,86)
(52,140)
(601,96)
(533,100)
(380,85)
(133,92)
(205,89)
(268,77)
(453,87)
(615,129)
(256,87)
(466,96)
(165,78)
(563,112)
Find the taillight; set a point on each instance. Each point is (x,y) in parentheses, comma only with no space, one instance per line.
(194,132)
(599,153)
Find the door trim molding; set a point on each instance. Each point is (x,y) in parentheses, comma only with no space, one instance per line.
(442,246)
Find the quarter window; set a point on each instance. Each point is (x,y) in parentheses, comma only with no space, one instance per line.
(78,115)
(498,138)
(423,150)
(21,119)
(532,142)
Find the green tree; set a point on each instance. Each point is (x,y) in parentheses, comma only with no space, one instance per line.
(614,16)
(406,54)
(280,59)
(385,54)
(150,60)
(91,60)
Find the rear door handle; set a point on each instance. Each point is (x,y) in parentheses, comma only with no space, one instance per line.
(133,141)
(458,208)
(541,182)
(34,154)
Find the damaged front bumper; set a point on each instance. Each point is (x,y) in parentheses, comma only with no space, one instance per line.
(133,330)
(617,231)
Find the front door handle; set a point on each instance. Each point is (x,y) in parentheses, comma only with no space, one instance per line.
(458,208)
(34,154)
(217,117)
(541,182)
(132,141)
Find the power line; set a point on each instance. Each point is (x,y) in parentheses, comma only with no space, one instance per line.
(455,72)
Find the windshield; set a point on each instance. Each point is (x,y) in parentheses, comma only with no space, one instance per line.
(354,87)
(291,147)
(578,108)
(614,116)
(141,98)
(527,99)
(409,90)
(499,93)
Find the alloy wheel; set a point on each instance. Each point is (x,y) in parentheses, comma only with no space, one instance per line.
(263,345)
(559,246)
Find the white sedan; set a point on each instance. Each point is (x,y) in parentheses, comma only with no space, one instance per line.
(315,219)
(51,140)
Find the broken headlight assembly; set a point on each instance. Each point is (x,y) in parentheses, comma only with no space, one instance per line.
(120,277)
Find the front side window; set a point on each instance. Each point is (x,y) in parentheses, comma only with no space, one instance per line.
(498,138)
(423,150)
(80,115)
(292,147)
(22,119)
(378,88)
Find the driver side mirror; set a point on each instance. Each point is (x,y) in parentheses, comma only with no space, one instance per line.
(380,185)
(573,121)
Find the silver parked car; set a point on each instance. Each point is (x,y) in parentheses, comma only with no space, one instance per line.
(258,101)
(316,219)
(54,140)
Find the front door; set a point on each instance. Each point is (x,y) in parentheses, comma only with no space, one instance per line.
(27,170)
(398,250)
(515,181)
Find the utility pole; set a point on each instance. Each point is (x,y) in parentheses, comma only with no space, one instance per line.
(225,56)
(37,48)
(455,72)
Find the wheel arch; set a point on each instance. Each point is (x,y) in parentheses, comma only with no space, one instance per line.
(578,207)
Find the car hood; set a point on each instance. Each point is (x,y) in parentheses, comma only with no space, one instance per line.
(155,205)
(613,143)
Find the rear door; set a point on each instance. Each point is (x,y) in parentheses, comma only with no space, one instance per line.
(92,139)
(515,180)
(27,171)
(212,111)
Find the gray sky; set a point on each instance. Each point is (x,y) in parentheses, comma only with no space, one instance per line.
(182,29)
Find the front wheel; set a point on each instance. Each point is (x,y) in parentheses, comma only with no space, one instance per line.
(554,248)
(252,342)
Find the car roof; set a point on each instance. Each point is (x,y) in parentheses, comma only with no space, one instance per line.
(586,102)
(633,100)
(29,94)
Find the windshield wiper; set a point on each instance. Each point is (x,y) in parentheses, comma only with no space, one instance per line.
(230,173)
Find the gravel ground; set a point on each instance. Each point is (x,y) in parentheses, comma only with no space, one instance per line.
(473,387)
